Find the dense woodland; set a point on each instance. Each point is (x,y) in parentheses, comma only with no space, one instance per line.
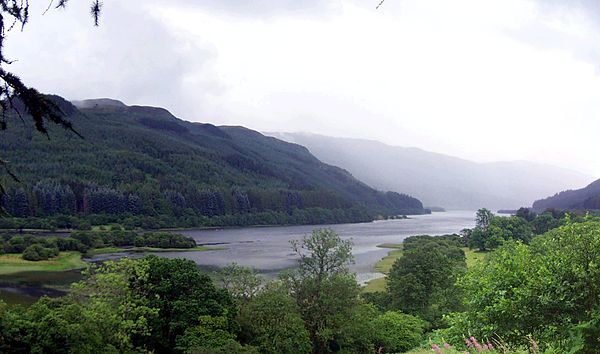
(143,167)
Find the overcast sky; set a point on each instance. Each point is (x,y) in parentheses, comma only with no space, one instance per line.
(482,80)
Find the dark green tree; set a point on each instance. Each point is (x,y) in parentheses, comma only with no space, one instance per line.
(271,322)
(325,291)
(422,281)
(182,295)
(18,203)
(480,236)
(545,222)
(526,214)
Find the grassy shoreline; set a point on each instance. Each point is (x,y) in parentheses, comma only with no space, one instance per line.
(13,263)
(71,260)
(385,264)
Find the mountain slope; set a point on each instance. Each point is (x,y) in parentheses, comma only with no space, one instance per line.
(437,179)
(587,198)
(143,160)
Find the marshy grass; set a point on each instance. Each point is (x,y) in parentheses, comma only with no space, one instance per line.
(385,264)
(14,263)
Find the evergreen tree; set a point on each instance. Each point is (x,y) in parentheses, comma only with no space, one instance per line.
(18,203)
(242,203)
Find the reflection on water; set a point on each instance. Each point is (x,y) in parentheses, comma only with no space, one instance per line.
(26,295)
(267,249)
(24,288)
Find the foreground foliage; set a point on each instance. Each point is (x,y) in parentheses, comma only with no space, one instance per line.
(169,306)
(541,297)
(548,291)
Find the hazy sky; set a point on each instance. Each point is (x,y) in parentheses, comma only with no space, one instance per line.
(483,80)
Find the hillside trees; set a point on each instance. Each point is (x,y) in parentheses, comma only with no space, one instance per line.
(51,197)
(17,203)
(183,175)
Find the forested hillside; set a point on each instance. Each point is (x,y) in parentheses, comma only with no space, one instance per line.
(138,162)
(587,198)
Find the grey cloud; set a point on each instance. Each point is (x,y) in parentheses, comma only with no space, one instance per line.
(132,56)
(146,61)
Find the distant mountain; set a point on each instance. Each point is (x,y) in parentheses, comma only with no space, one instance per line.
(144,161)
(438,179)
(587,198)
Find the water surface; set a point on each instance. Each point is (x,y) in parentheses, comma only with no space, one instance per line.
(267,249)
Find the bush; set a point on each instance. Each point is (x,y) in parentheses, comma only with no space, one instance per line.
(71,244)
(397,332)
(166,240)
(80,224)
(37,252)
(17,244)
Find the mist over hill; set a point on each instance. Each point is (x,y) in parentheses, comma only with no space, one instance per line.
(143,161)
(437,179)
(587,198)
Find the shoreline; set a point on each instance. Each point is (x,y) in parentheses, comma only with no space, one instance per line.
(384,265)
(56,232)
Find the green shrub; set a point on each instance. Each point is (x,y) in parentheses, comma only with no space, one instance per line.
(37,252)
(397,332)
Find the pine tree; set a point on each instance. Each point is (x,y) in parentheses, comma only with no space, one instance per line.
(18,203)
(242,203)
